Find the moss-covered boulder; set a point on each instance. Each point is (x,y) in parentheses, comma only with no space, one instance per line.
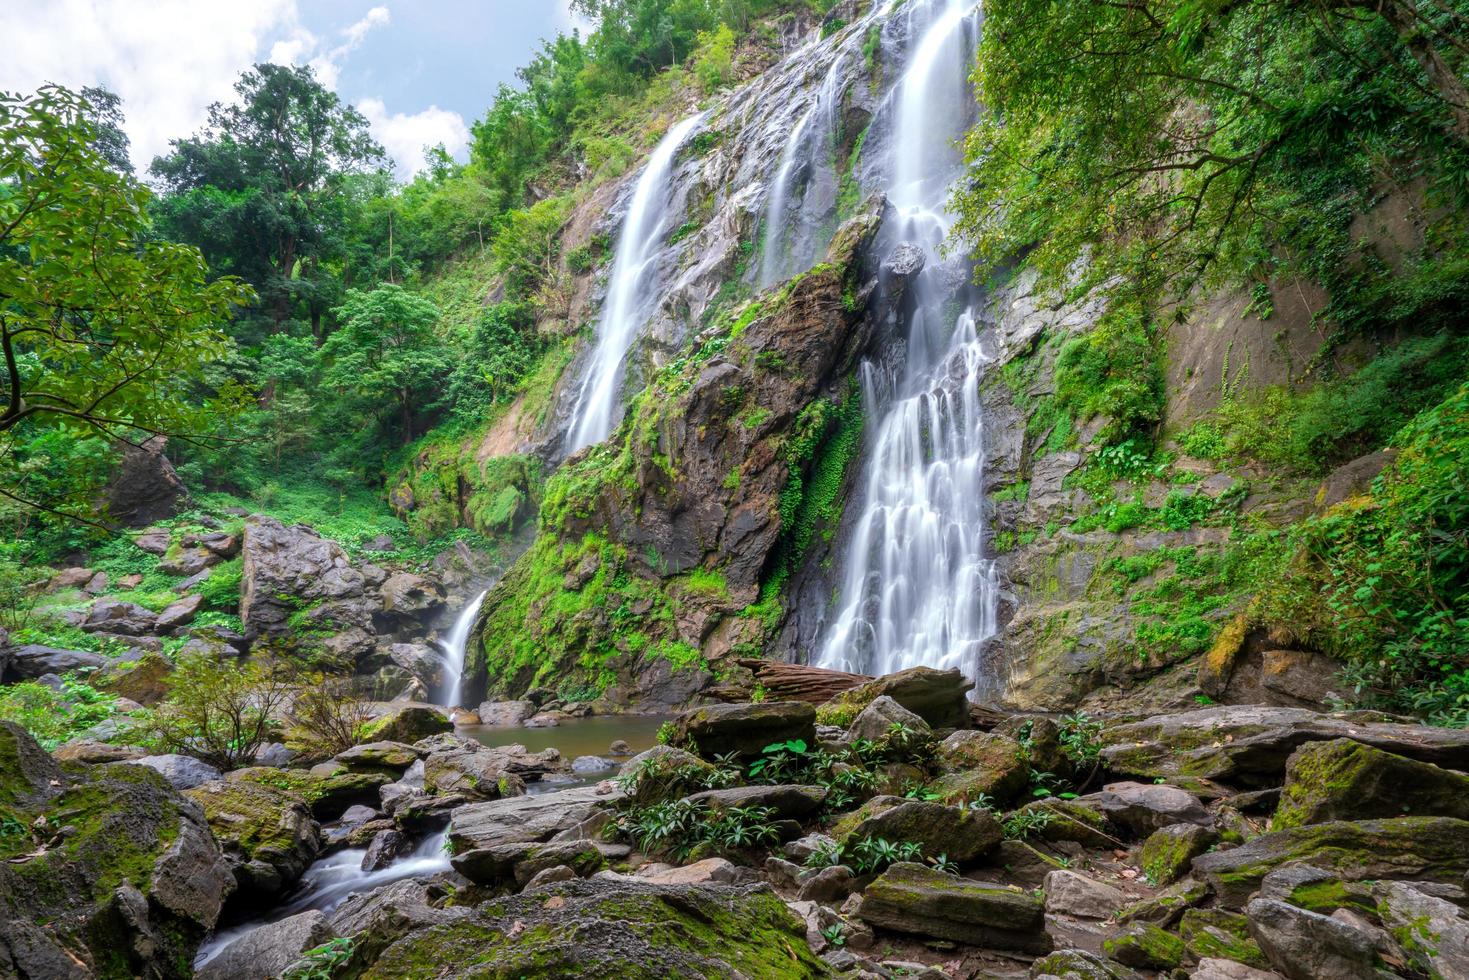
(1401,849)
(1346,780)
(266,832)
(914,899)
(1168,906)
(786,802)
(962,834)
(1217,934)
(747,729)
(104,870)
(326,790)
(518,863)
(1167,855)
(1145,946)
(936,696)
(379,756)
(613,927)
(1075,964)
(407,723)
(1056,819)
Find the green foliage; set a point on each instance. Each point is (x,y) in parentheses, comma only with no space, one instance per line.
(104,330)
(677,827)
(1081,738)
(1025,823)
(221,590)
(870,855)
(221,713)
(1383,581)
(1113,371)
(52,716)
(322,962)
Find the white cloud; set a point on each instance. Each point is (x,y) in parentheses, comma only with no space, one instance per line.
(167,59)
(405,136)
(567,19)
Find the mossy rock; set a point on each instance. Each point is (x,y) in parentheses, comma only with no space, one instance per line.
(746,728)
(936,696)
(1168,853)
(407,724)
(962,835)
(613,928)
(1144,946)
(1346,780)
(1405,849)
(326,794)
(267,834)
(1167,906)
(1075,964)
(918,900)
(130,887)
(980,762)
(1072,820)
(1217,934)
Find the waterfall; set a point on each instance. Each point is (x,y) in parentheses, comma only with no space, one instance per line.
(454,645)
(917,587)
(628,292)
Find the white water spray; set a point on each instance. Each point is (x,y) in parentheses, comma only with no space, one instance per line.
(454,645)
(918,588)
(628,293)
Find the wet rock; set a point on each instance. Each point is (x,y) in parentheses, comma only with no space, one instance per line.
(1142,808)
(527,818)
(145,488)
(1402,849)
(612,925)
(505,713)
(420,660)
(288,568)
(133,889)
(591,763)
(1249,744)
(619,748)
(1145,947)
(1168,853)
(789,802)
(746,728)
(266,834)
(1307,946)
(386,847)
(545,719)
(1346,780)
(475,773)
(962,834)
(181,771)
(381,916)
(118,617)
(521,861)
(1080,896)
(936,696)
(267,950)
(385,755)
(917,900)
(34,660)
(327,789)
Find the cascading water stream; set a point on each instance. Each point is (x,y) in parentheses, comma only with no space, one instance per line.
(917,587)
(628,292)
(454,645)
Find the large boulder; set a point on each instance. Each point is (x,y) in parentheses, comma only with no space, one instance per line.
(746,728)
(379,917)
(410,596)
(1079,896)
(519,862)
(268,949)
(786,802)
(1306,945)
(181,771)
(527,818)
(1346,780)
(266,833)
(1168,853)
(145,487)
(407,723)
(34,660)
(129,888)
(505,713)
(1400,849)
(144,679)
(287,570)
(917,900)
(328,790)
(474,772)
(936,696)
(1438,929)
(964,835)
(120,619)
(613,926)
(885,716)
(1142,808)
(1250,744)
(384,756)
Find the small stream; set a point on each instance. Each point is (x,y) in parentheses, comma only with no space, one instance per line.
(331,879)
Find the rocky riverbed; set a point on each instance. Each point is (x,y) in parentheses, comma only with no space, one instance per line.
(881,834)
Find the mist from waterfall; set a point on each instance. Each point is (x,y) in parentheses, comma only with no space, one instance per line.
(629,291)
(916,586)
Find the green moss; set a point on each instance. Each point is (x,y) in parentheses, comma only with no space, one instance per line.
(1145,946)
(1217,934)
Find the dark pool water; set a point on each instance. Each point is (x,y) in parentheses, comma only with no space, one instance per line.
(578,736)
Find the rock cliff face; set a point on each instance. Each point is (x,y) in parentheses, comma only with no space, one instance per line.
(655,544)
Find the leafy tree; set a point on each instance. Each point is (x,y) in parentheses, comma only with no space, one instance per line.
(499,354)
(263,188)
(385,360)
(102,335)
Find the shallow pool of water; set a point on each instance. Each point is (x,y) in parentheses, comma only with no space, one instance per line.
(576,736)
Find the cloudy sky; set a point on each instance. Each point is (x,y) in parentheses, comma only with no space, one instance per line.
(420,70)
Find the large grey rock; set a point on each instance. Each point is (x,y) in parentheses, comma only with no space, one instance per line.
(1076,964)
(285,569)
(1437,929)
(410,596)
(521,861)
(268,949)
(1143,808)
(267,835)
(1250,743)
(1308,946)
(122,618)
(476,773)
(1211,968)
(1074,894)
(179,614)
(1403,849)
(420,660)
(181,771)
(505,713)
(186,561)
(145,488)
(34,660)
(876,721)
(1346,780)
(936,696)
(527,818)
(917,900)
(962,834)
(746,728)
(372,756)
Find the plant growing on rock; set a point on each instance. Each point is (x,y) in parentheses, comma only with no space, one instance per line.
(221,713)
(330,715)
(1023,823)
(872,854)
(322,962)
(677,827)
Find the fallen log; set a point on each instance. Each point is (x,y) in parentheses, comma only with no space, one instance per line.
(798,682)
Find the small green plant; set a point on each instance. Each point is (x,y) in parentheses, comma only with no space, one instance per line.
(941,862)
(322,962)
(835,935)
(872,854)
(827,854)
(1081,738)
(779,761)
(667,733)
(1023,823)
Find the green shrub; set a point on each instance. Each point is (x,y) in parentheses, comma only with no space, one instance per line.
(1113,371)
(54,717)
(221,590)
